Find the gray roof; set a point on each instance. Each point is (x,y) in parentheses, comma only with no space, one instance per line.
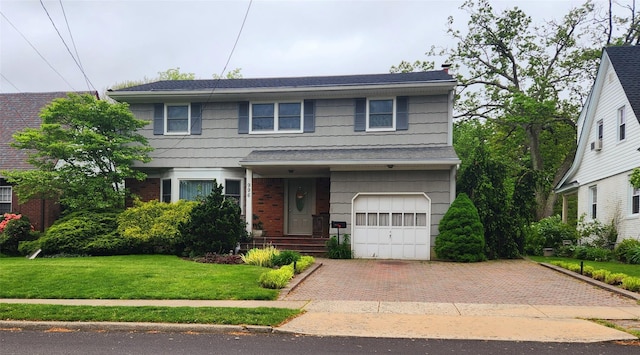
(410,155)
(17,112)
(626,62)
(293,82)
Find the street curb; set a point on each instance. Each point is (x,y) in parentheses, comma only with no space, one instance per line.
(594,282)
(132,327)
(298,280)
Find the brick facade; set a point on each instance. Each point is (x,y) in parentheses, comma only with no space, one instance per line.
(323,190)
(146,190)
(42,213)
(268,204)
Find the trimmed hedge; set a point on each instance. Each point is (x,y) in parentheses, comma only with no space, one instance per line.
(461,233)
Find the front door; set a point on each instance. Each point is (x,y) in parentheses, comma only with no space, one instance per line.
(301,206)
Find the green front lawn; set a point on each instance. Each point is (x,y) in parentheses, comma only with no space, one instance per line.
(130,277)
(613,266)
(189,315)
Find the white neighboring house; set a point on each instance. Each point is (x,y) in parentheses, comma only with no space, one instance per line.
(609,145)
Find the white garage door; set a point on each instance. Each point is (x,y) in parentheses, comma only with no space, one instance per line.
(391,226)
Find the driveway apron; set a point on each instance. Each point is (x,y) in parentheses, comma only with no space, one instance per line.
(492,282)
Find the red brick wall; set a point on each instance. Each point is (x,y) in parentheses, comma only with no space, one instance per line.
(323,188)
(33,210)
(268,204)
(146,190)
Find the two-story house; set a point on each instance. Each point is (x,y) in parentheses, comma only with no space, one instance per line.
(609,145)
(374,151)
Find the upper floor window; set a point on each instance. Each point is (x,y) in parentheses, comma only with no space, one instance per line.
(593,201)
(276,117)
(622,123)
(177,118)
(5,199)
(635,200)
(597,145)
(381,114)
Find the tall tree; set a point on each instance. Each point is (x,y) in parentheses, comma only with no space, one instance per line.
(528,79)
(82,153)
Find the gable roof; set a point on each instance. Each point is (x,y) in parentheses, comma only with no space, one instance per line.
(17,112)
(626,63)
(293,82)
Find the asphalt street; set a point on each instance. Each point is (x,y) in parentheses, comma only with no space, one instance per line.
(72,343)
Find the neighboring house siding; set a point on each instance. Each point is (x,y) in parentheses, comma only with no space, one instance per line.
(220,144)
(616,156)
(435,183)
(614,204)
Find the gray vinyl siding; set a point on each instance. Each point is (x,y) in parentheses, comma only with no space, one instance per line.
(435,183)
(220,144)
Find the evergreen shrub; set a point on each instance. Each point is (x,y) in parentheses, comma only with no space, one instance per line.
(461,235)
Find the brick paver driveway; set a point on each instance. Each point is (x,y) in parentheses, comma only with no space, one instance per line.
(492,282)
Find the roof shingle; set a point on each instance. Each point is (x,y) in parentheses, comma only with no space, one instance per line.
(626,62)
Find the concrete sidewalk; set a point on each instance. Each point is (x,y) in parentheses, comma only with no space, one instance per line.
(542,323)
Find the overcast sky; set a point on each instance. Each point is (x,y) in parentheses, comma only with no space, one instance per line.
(132,39)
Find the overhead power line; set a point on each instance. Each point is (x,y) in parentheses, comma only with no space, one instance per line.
(35,49)
(74,44)
(67,47)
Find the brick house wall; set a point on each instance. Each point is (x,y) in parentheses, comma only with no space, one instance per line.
(146,190)
(42,213)
(268,204)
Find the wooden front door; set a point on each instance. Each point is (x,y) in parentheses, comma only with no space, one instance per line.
(301,205)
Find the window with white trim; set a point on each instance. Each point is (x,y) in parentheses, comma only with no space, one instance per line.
(177,118)
(232,189)
(276,117)
(5,199)
(635,200)
(381,114)
(622,124)
(593,202)
(195,189)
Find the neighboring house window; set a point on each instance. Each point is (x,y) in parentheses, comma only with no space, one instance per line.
(622,123)
(381,115)
(5,199)
(232,189)
(195,189)
(635,200)
(593,192)
(599,134)
(276,117)
(178,119)
(166,190)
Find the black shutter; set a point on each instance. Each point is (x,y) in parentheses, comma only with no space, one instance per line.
(196,118)
(309,116)
(402,113)
(360,121)
(243,117)
(158,119)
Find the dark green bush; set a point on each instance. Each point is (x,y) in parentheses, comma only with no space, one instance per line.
(286,257)
(592,253)
(215,225)
(335,250)
(16,231)
(633,255)
(548,233)
(153,225)
(28,247)
(621,250)
(461,235)
(84,232)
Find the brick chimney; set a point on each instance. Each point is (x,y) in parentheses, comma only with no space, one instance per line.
(445,67)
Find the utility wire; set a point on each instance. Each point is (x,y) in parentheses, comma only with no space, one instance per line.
(244,20)
(74,44)
(9,81)
(35,49)
(67,47)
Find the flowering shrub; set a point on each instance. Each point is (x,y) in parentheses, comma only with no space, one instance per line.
(6,218)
